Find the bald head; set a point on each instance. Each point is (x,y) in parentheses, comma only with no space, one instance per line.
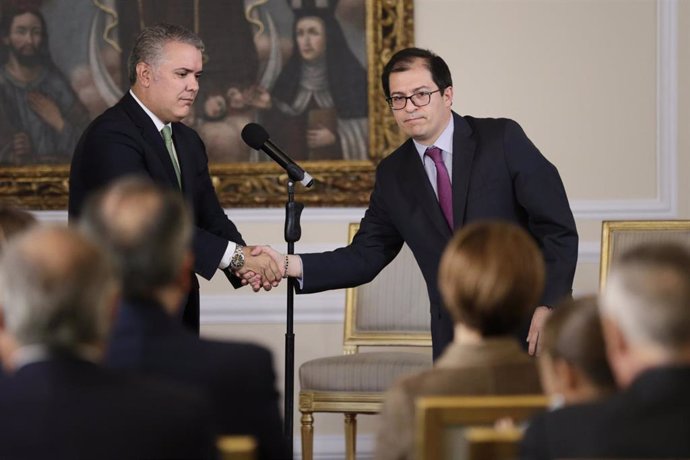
(147,230)
(55,289)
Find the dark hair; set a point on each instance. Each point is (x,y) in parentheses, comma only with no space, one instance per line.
(347,79)
(148,46)
(6,20)
(405,58)
(490,276)
(574,334)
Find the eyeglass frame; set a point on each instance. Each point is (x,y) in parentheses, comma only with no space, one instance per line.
(409,98)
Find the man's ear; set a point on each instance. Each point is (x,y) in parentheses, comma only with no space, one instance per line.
(616,343)
(448,96)
(2,319)
(144,74)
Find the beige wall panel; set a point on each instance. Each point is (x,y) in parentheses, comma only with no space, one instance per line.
(580,76)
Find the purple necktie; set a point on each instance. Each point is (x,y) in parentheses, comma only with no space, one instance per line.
(445,191)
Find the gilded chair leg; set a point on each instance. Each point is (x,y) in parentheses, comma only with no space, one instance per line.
(350,435)
(307,436)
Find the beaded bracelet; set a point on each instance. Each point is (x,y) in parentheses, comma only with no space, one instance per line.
(286,266)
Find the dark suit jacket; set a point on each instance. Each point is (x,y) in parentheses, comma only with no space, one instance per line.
(498,366)
(238,378)
(650,419)
(124,140)
(66,408)
(497,174)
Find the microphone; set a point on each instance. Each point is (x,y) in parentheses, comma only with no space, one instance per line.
(255,136)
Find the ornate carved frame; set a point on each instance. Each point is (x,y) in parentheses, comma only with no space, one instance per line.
(337,183)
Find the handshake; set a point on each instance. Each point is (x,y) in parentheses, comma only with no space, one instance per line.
(265,267)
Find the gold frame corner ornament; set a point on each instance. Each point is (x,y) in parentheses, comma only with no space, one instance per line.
(389,27)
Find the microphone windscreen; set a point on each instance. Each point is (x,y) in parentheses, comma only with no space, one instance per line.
(254,135)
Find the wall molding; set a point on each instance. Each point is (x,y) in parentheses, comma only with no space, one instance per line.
(665,204)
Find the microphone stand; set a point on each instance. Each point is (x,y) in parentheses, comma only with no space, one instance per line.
(293,232)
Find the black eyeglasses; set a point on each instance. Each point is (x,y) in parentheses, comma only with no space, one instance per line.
(419,99)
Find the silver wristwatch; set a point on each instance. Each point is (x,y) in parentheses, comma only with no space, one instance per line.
(237,259)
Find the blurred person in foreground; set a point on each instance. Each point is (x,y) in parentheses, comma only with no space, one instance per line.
(645,312)
(490,275)
(148,231)
(13,221)
(57,293)
(573,364)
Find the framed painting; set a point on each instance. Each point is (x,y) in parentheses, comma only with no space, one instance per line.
(307,70)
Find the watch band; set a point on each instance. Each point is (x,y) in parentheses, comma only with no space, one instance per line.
(237,259)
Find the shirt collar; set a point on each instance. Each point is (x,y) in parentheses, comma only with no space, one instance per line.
(444,141)
(156,121)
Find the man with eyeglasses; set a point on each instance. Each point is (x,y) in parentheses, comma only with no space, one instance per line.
(452,171)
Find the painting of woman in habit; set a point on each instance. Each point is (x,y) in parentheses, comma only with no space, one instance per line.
(319,101)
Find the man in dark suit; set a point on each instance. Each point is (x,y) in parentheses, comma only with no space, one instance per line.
(148,231)
(142,134)
(645,313)
(454,170)
(57,292)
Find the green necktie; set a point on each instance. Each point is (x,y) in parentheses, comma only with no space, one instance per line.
(167,137)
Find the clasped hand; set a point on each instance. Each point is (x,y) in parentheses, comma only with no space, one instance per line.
(264,267)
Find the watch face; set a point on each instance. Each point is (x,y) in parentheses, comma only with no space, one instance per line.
(237,260)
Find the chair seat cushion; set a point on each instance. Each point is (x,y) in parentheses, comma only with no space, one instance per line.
(361,372)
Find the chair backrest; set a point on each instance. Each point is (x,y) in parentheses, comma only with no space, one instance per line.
(391,310)
(236,447)
(439,418)
(492,443)
(617,236)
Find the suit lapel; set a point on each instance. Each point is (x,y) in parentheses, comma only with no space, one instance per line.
(154,144)
(414,173)
(464,147)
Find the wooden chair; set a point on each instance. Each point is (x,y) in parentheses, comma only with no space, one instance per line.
(236,447)
(617,236)
(391,311)
(490,443)
(438,415)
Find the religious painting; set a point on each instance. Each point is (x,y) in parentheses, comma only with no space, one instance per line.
(306,70)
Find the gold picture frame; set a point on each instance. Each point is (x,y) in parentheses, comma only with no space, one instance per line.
(389,27)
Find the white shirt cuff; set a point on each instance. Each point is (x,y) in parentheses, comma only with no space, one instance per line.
(225,260)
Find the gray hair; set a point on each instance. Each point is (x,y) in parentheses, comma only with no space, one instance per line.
(55,289)
(148,46)
(147,230)
(648,295)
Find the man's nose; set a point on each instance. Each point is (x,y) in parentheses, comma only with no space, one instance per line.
(193,84)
